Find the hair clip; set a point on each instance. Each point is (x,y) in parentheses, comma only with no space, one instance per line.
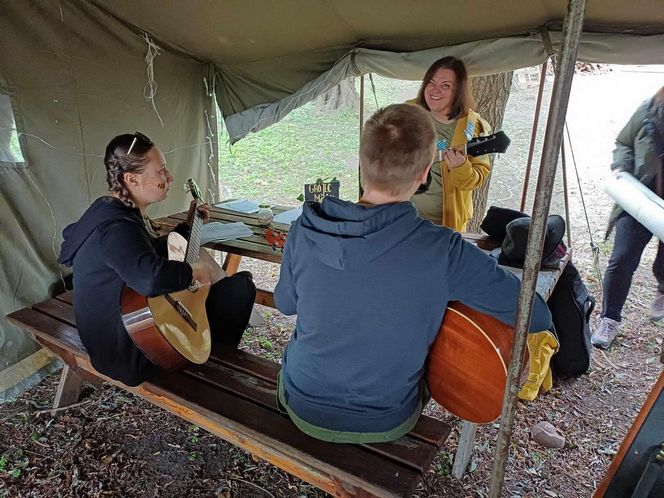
(133,142)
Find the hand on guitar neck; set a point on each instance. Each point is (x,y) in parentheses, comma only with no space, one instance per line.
(203,271)
(173,329)
(203,210)
(206,270)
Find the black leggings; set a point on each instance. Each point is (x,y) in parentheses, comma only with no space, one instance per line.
(229,306)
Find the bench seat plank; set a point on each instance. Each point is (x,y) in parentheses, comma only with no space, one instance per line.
(408,451)
(60,333)
(427,429)
(279,433)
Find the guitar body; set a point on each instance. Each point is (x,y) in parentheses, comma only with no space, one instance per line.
(164,334)
(172,330)
(466,369)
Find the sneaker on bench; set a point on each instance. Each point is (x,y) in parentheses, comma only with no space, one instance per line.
(657,308)
(605,333)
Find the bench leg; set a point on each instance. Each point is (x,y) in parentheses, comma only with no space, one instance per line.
(68,390)
(231,263)
(465,449)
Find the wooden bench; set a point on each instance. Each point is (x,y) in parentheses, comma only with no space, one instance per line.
(233,396)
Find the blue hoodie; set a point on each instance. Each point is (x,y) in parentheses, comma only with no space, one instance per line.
(370,286)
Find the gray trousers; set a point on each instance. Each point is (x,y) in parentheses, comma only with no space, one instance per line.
(630,241)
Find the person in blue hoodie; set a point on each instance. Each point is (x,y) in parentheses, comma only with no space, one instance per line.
(112,245)
(370,282)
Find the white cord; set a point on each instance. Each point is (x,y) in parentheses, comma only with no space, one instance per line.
(55,226)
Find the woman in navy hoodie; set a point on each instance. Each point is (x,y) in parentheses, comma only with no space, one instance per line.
(112,245)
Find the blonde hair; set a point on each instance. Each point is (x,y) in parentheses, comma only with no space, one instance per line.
(659,96)
(398,141)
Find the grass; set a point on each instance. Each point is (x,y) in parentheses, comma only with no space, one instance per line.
(15,148)
(274,164)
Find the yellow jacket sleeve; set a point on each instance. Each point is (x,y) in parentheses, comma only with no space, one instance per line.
(470,174)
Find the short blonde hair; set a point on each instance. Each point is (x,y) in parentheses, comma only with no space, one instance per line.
(659,96)
(398,141)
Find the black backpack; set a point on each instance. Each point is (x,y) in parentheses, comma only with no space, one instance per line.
(571,307)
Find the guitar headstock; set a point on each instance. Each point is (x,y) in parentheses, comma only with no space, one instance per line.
(498,142)
(191,187)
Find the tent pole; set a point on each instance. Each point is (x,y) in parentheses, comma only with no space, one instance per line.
(562,85)
(359,177)
(533,135)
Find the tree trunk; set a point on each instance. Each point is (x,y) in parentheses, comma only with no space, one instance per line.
(491,93)
(342,95)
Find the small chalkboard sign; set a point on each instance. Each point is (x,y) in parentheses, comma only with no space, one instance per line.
(316,191)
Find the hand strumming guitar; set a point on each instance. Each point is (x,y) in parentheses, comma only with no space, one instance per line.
(202,272)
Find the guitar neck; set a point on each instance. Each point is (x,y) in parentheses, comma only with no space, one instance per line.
(498,142)
(194,242)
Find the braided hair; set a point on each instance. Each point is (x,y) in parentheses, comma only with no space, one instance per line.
(125,154)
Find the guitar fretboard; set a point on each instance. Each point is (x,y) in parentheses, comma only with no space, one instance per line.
(194,242)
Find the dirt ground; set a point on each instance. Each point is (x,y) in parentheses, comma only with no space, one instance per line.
(113,444)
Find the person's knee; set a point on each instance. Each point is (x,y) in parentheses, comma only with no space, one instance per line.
(624,259)
(242,286)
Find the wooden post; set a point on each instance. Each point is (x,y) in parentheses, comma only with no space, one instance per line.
(533,136)
(69,389)
(562,85)
(464,448)
(231,263)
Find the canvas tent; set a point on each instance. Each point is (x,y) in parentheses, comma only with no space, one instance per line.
(75,73)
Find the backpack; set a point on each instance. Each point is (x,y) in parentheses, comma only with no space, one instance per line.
(571,307)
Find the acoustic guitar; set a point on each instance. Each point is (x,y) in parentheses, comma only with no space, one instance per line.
(173,329)
(466,369)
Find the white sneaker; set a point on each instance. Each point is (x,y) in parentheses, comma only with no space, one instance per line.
(657,307)
(605,333)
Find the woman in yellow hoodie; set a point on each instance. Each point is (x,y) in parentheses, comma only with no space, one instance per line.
(445,93)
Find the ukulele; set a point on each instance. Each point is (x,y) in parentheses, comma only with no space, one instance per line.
(173,329)
(478,146)
(466,369)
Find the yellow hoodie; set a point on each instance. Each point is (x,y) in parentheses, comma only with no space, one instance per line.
(459,183)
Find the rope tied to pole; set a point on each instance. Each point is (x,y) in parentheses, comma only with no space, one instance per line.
(594,248)
(150,89)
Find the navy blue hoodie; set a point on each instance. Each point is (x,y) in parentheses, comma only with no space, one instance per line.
(109,247)
(370,286)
